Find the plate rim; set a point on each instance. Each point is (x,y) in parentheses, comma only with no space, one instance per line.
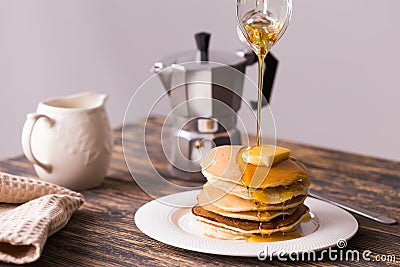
(143,227)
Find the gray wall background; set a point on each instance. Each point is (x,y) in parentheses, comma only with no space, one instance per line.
(337,86)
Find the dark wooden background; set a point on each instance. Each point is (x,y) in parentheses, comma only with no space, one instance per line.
(103,231)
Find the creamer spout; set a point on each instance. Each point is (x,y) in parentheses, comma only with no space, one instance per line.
(97,99)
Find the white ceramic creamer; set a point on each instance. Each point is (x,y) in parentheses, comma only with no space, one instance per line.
(69,140)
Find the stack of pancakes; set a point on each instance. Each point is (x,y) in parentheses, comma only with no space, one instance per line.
(244,197)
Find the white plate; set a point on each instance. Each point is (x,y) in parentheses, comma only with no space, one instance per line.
(176,227)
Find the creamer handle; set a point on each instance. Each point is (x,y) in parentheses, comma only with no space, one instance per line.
(30,122)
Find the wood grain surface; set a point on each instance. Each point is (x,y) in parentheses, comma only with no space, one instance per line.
(103,232)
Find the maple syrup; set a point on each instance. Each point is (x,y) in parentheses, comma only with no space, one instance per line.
(275,237)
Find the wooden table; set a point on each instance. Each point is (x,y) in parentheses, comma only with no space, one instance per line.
(103,231)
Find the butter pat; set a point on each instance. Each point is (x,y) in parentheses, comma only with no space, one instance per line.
(266,155)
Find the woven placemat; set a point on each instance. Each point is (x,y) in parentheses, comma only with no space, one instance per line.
(30,211)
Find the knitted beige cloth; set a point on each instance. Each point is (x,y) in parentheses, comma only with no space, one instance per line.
(30,211)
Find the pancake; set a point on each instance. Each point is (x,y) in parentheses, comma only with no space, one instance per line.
(270,195)
(220,163)
(219,232)
(246,227)
(260,216)
(233,203)
(241,200)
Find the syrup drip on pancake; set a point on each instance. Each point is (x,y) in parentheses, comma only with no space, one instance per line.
(255,167)
(259,219)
